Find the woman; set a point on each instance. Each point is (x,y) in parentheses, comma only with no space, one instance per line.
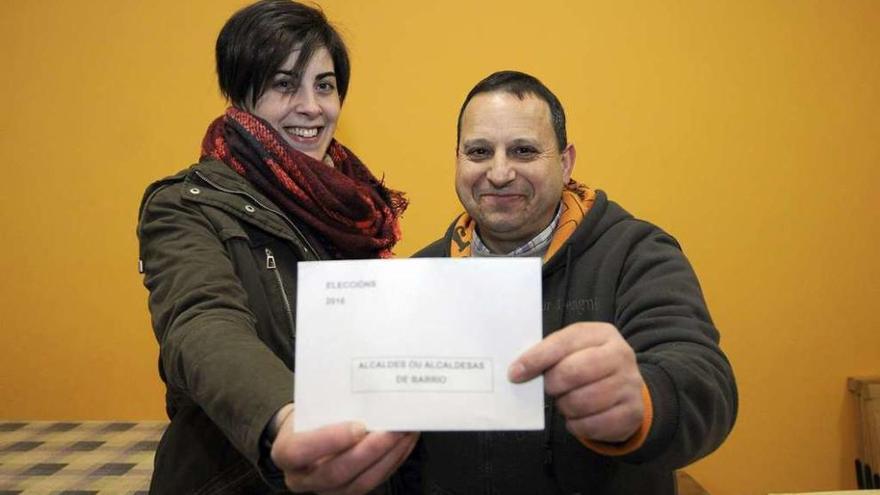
(219,247)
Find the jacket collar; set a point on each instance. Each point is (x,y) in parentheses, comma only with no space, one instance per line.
(217,172)
(234,194)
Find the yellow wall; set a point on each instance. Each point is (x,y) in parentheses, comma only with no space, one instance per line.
(748,129)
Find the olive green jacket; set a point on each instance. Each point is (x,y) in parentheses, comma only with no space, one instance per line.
(219,260)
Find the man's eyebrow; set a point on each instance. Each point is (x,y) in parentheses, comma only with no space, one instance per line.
(525,141)
(475,142)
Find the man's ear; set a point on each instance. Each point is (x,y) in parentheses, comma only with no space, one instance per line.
(568,156)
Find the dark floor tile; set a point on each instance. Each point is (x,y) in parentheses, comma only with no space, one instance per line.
(84,446)
(113,469)
(11,426)
(60,426)
(78,492)
(118,426)
(22,446)
(44,469)
(145,445)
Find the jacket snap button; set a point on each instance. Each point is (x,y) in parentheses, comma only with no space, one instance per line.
(249,208)
(195,190)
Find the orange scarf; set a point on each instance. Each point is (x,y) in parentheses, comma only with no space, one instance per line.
(577,199)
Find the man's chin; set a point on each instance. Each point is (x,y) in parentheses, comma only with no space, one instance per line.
(504,229)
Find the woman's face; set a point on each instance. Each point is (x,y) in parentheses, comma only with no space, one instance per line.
(305,111)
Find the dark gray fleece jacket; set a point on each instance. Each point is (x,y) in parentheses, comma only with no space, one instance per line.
(627,272)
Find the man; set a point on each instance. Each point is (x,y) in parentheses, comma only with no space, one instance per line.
(637,385)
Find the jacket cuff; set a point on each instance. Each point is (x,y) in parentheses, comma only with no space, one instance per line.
(270,473)
(266,467)
(635,441)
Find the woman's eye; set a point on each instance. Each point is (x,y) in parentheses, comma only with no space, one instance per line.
(326,87)
(284,85)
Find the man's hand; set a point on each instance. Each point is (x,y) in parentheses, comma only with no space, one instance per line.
(592,372)
(338,459)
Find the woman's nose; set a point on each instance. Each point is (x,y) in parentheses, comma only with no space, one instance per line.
(306,103)
(500,171)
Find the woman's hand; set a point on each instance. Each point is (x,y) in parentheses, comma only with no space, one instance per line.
(338,459)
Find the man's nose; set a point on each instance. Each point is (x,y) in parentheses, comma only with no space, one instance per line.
(500,171)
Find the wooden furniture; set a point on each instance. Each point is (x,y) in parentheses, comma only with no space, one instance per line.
(867,465)
(686,485)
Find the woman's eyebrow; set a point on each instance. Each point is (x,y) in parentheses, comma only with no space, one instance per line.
(319,76)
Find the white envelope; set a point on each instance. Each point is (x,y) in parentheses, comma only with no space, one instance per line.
(417,344)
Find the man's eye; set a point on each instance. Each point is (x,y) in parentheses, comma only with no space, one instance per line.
(477,153)
(524,151)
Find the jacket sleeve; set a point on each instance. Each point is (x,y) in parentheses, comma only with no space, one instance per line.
(209,348)
(661,312)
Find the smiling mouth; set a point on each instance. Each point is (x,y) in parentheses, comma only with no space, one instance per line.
(303,132)
(501,199)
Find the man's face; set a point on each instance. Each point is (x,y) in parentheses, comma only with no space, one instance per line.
(509,172)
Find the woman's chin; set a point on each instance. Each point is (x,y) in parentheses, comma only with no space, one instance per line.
(309,146)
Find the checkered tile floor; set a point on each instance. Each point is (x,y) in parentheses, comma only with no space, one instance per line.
(77,458)
(99,457)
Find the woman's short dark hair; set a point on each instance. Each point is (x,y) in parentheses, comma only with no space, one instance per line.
(520,84)
(257,40)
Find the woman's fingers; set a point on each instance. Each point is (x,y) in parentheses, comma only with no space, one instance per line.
(293,451)
(336,472)
(375,474)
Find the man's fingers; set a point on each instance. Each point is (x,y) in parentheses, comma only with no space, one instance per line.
(581,368)
(555,347)
(591,399)
(382,469)
(612,425)
(294,451)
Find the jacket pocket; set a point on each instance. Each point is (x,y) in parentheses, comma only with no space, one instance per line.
(272,266)
(194,456)
(266,267)
(240,478)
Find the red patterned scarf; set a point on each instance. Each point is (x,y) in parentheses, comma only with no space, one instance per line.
(346,205)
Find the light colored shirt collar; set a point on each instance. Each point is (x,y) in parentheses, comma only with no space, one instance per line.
(537,246)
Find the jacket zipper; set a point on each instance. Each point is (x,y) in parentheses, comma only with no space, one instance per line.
(296,230)
(271,266)
(487,463)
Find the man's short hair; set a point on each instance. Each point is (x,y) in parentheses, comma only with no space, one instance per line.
(257,40)
(520,84)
